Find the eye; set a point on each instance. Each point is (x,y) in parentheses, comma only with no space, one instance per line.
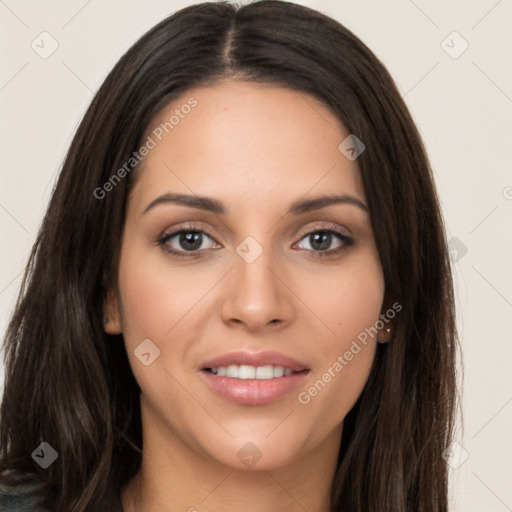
(190,241)
(187,241)
(319,240)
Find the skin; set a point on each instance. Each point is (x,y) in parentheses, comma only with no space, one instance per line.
(256,148)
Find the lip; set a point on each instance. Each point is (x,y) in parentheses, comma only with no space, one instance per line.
(254,391)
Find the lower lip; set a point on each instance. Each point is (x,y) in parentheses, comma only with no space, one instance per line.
(254,391)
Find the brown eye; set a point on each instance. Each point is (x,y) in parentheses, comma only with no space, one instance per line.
(320,241)
(183,240)
(187,242)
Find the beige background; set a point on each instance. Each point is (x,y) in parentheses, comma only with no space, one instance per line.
(463,108)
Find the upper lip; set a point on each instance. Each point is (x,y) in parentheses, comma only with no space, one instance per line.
(255,359)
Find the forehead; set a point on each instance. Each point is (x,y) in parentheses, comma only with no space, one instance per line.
(243,140)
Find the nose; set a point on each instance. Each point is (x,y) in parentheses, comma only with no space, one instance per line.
(257,296)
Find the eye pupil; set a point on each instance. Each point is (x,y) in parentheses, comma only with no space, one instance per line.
(190,237)
(322,237)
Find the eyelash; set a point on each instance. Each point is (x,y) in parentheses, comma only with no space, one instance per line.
(165,237)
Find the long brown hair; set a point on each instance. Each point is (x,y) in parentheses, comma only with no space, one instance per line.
(69,384)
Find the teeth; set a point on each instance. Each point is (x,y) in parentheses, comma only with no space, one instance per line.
(265,372)
(232,371)
(245,371)
(278,371)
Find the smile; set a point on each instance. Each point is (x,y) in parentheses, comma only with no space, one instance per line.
(253,378)
(251,372)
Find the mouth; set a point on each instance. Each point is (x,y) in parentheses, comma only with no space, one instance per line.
(253,378)
(246,372)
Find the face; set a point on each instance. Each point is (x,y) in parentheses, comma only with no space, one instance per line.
(241,298)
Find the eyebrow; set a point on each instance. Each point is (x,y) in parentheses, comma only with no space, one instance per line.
(215,206)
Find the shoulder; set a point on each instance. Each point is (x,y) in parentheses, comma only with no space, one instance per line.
(20,498)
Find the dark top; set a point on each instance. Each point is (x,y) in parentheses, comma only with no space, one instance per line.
(19,499)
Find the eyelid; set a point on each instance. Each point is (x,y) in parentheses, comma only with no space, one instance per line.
(186,226)
(327,226)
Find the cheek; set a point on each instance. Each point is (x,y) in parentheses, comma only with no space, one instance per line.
(155,300)
(348,308)
(158,305)
(346,300)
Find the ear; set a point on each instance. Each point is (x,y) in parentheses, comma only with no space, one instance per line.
(112,323)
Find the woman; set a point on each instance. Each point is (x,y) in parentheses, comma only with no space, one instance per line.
(240,296)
